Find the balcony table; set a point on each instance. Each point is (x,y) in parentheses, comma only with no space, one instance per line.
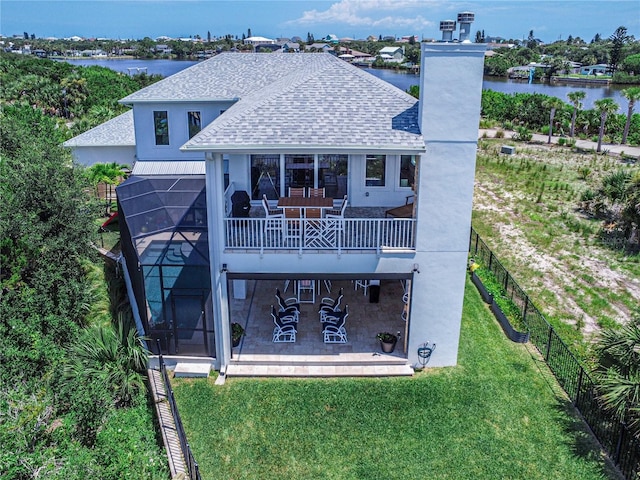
(305,202)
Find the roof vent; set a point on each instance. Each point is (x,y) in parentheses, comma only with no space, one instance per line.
(465,19)
(447,27)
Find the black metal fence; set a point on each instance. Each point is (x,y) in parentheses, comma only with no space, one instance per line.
(192,466)
(614,436)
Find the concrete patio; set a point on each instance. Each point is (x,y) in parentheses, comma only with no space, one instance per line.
(257,355)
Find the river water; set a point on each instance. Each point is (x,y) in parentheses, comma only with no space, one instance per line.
(401,80)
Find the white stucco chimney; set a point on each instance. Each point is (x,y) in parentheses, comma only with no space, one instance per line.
(449,113)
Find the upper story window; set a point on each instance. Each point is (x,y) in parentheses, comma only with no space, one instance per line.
(161,127)
(195,123)
(376,166)
(407,170)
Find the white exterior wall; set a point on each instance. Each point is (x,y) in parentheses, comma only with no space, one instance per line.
(451,90)
(88,156)
(178,128)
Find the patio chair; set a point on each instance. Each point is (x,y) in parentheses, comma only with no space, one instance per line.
(296,192)
(273,217)
(404,211)
(316,192)
(292,228)
(339,212)
(364,284)
(285,328)
(328,305)
(288,307)
(333,329)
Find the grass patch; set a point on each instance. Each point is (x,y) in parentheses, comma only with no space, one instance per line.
(497,414)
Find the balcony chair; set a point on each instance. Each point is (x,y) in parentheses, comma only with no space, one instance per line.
(296,192)
(329,305)
(316,192)
(288,307)
(333,329)
(291,227)
(285,328)
(339,212)
(273,217)
(404,211)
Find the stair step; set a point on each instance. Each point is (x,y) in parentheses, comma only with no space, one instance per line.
(192,369)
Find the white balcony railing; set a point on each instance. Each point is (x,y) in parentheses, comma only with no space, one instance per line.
(373,234)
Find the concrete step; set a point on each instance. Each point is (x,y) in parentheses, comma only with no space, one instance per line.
(324,370)
(192,369)
(318,360)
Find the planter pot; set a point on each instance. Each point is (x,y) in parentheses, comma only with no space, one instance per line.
(513,334)
(236,341)
(388,347)
(486,296)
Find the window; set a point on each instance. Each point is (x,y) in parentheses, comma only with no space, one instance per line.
(299,171)
(161,126)
(195,123)
(407,170)
(332,174)
(265,176)
(375,170)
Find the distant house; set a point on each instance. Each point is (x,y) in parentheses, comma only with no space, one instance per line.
(599,69)
(319,47)
(255,125)
(163,49)
(289,47)
(258,41)
(392,54)
(331,38)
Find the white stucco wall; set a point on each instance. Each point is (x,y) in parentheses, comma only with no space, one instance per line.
(91,155)
(451,90)
(178,128)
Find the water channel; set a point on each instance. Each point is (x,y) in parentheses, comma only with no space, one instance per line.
(401,80)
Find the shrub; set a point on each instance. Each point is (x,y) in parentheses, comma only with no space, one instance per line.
(562,141)
(499,134)
(522,134)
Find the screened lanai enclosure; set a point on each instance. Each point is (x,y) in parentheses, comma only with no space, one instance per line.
(164,242)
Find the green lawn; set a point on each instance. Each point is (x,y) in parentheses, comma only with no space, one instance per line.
(497,415)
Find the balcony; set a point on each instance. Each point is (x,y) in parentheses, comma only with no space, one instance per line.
(320,235)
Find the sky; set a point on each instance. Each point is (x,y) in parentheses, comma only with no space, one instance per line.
(136,19)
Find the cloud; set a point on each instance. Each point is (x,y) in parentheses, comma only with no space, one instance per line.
(363,13)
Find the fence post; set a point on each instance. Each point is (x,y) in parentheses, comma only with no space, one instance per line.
(490,259)
(578,388)
(546,359)
(524,310)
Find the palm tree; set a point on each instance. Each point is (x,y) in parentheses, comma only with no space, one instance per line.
(553,103)
(605,107)
(619,371)
(575,98)
(632,94)
(114,355)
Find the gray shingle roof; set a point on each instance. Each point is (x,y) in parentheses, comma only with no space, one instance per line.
(227,76)
(310,101)
(117,132)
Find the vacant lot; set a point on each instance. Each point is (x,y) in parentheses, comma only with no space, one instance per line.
(527,209)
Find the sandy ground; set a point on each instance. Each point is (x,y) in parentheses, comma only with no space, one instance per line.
(555,270)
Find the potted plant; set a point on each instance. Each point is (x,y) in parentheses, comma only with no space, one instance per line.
(387,341)
(237,331)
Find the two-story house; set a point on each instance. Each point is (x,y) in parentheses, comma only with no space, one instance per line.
(260,124)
